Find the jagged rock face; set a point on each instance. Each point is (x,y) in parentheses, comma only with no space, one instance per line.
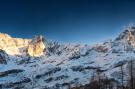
(131,37)
(3,57)
(36,47)
(128,36)
(19,46)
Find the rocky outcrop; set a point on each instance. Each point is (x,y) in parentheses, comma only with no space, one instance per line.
(131,37)
(128,36)
(18,46)
(36,47)
(6,73)
(3,57)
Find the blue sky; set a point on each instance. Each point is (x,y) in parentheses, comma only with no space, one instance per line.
(80,21)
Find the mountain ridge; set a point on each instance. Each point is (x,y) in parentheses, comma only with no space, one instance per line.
(69,65)
(20,46)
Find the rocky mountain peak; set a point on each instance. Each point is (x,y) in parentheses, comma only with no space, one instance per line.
(36,47)
(128,35)
(19,46)
(4,35)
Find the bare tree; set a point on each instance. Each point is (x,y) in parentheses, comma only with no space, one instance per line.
(99,78)
(131,75)
(122,76)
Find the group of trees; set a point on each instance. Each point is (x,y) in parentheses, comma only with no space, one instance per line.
(101,81)
(130,82)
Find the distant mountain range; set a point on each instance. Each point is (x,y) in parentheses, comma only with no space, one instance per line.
(22,47)
(40,64)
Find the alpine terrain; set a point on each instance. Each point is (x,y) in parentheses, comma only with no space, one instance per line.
(41,64)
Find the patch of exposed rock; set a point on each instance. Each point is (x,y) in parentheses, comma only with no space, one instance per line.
(18,46)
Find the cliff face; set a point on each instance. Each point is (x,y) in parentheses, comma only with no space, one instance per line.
(128,36)
(131,37)
(36,47)
(18,46)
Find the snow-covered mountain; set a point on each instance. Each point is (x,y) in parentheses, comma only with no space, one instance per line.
(22,47)
(66,65)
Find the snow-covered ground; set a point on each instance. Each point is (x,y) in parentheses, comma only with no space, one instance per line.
(66,65)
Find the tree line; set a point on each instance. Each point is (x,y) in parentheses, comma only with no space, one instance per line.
(100,81)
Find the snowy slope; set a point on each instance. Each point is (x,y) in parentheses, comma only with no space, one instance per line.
(66,65)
